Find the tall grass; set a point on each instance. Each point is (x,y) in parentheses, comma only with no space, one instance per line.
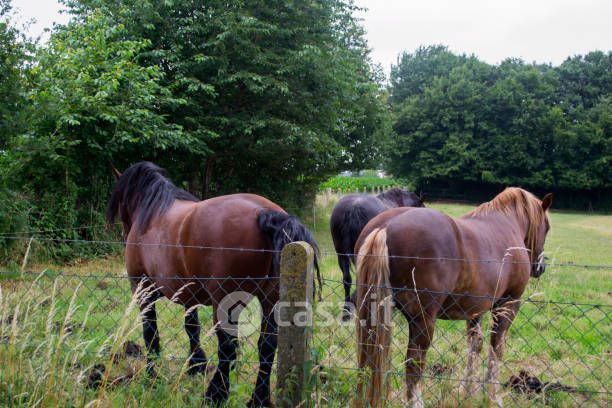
(56,326)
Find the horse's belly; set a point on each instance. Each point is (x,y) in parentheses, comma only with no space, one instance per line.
(463,307)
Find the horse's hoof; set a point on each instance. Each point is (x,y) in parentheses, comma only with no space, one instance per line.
(267,403)
(215,396)
(211,401)
(198,367)
(152,372)
(347,312)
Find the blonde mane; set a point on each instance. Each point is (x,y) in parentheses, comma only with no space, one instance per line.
(519,202)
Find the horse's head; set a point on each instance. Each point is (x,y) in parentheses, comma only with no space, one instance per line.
(116,205)
(141,193)
(402,198)
(536,236)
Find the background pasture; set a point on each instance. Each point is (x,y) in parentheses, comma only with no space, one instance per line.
(57,324)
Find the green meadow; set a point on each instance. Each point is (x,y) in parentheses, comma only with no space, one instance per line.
(59,320)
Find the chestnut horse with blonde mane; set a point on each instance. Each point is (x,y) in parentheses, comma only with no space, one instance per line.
(198,252)
(430,265)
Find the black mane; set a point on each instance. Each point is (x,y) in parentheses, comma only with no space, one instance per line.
(143,187)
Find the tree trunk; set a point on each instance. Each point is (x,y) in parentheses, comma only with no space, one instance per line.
(208,176)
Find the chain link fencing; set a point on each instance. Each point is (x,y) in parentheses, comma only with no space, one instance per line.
(557,352)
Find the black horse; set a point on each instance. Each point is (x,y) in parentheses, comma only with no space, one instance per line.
(349,217)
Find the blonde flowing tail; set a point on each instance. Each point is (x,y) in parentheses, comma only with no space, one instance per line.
(374,324)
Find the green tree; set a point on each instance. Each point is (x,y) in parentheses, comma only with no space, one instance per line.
(471,128)
(14,53)
(88,102)
(277,94)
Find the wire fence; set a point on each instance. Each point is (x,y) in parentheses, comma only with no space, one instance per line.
(27,237)
(557,352)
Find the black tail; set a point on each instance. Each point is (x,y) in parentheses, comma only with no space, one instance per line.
(282,229)
(354,220)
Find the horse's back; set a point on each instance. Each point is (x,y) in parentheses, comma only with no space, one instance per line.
(423,233)
(227,226)
(433,251)
(216,240)
(419,240)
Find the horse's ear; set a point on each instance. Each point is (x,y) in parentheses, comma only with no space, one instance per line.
(547,201)
(116,173)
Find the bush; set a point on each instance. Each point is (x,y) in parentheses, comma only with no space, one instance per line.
(14,211)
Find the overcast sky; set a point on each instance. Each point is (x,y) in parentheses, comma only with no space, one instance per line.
(534,30)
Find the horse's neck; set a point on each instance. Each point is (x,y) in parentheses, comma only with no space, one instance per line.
(499,220)
(167,218)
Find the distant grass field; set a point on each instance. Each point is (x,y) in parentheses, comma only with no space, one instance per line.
(54,326)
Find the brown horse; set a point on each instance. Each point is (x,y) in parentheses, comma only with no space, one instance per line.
(430,266)
(348,218)
(196,253)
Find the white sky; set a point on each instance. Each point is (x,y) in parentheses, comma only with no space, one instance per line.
(534,30)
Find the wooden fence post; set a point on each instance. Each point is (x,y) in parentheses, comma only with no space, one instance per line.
(294,323)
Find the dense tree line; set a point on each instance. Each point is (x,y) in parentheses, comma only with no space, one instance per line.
(269,97)
(465,127)
(273,97)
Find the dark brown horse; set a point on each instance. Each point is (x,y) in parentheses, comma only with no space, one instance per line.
(351,214)
(174,247)
(440,267)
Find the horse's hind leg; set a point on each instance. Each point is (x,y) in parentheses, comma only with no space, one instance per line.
(469,386)
(148,294)
(197,359)
(421,329)
(345,265)
(219,387)
(502,319)
(267,348)
(420,310)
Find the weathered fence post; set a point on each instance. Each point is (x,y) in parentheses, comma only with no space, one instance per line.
(294,322)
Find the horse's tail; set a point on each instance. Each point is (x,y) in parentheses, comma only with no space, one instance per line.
(354,220)
(282,229)
(374,307)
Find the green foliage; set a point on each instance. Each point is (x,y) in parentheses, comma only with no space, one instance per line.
(88,102)
(460,121)
(276,95)
(258,96)
(343,183)
(14,53)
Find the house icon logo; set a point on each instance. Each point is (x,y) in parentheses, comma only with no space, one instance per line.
(232,307)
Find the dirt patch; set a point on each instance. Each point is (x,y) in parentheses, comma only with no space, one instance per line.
(525,383)
(438,370)
(59,326)
(94,377)
(102,285)
(129,349)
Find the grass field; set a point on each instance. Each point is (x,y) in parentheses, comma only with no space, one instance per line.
(54,326)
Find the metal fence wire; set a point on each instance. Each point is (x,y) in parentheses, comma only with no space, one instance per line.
(557,353)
